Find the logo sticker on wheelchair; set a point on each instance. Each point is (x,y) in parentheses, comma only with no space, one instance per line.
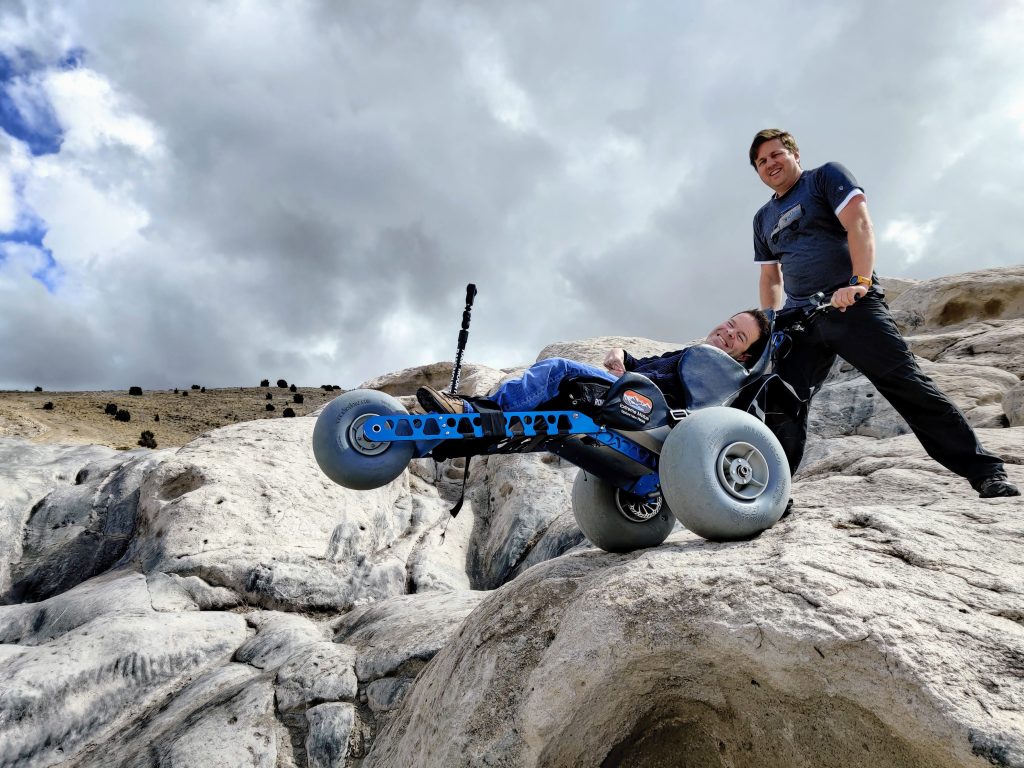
(637,401)
(636,406)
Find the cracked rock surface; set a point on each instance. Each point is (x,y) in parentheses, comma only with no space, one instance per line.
(858,631)
(224,604)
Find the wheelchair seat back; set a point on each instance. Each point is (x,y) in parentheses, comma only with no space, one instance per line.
(711,377)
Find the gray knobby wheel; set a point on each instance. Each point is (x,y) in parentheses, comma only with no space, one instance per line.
(343,452)
(617,521)
(724,474)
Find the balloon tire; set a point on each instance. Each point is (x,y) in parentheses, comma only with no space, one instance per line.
(692,481)
(596,506)
(345,463)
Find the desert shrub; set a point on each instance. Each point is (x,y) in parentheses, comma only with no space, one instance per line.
(136,391)
(122,415)
(292,388)
(38,389)
(282,383)
(156,417)
(288,413)
(270,406)
(326,387)
(146,440)
(203,389)
(265,383)
(335,387)
(195,386)
(298,398)
(269,396)
(47,406)
(184,392)
(110,410)
(175,390)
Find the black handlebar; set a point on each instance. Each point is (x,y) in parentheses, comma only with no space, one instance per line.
(463,338)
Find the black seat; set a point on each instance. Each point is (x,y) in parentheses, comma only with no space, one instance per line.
(633,402)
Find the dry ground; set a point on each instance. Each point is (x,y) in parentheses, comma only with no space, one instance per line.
(79,417)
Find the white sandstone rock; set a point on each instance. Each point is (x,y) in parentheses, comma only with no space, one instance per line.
(849,404)
(402,631)
(246,508)
(83,680)
(593,351)
(279,636)
(168,728)
(987,294)
(473,380)
(240,732)
(999,346)
(27,473)
(76,532)
(1013,405)
(523,496)
(386,693)
(330,729)
(110,594)
(896,287)
(860,630)
(318,673)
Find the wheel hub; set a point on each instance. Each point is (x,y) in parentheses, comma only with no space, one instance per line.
(743,471)
(360,442)
(638,509)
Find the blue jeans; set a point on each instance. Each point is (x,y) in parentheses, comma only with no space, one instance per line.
(540,382)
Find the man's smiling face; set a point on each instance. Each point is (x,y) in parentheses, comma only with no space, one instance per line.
(777,166)
(735,335)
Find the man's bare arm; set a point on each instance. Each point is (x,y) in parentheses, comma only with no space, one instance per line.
(861,237)
(770,288)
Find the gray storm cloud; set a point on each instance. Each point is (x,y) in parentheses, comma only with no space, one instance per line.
(254,190)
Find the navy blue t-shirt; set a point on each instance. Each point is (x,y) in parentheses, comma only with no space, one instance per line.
(801,231)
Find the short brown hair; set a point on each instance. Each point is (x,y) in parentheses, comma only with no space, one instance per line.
(764,326)
(767,135)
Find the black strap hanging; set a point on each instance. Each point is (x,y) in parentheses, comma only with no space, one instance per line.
(462,497)
(462,492)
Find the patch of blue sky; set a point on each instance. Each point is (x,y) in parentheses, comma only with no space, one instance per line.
(31,234)
(27,115)
(31,231)
(25,111)
(50,273)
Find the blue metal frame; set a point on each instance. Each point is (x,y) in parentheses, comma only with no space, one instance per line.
(429,430)
(434,426)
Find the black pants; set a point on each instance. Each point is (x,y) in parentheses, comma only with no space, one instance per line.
(866,337)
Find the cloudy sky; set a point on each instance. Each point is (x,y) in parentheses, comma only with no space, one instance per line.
(220,191)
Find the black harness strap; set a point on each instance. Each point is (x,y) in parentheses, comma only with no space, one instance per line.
(492,420)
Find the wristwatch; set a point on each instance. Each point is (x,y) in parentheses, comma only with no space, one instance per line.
(860,280)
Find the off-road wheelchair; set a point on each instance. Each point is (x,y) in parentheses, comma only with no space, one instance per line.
(712,464)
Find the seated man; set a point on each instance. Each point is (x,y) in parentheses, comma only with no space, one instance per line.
(743,337)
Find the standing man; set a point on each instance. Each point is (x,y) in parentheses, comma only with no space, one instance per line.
(817,230)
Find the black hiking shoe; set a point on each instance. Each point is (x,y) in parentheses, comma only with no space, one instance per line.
(994,487)
(433,401)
